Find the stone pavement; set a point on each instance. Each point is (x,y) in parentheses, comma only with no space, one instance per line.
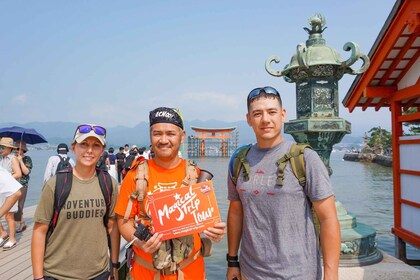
(390,268)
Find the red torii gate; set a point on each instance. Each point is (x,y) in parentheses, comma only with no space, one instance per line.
(205,134)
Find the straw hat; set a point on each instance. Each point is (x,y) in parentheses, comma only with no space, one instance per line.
(21,145)
(7,142)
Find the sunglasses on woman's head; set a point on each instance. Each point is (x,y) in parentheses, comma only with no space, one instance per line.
(86,128)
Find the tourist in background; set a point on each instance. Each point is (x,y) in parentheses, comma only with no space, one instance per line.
(129,161)
(126,150)
(103,162)
(166,135)
(120,159)
(144,153)
(25,164)
(111,163)
(150,152)
(59,159)
(78,246)
(9,193)
(9,162)
(273,224)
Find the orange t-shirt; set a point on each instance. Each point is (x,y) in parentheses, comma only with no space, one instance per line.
(160,179)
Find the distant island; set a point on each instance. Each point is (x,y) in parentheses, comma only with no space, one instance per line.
(377,148)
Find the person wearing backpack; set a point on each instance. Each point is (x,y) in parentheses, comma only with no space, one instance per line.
(174,259)
(74,222)
(120,160)
(269,217)
(58,162)
(129,161)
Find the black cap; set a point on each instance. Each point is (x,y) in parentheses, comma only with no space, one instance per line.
(62,148)
(165,115)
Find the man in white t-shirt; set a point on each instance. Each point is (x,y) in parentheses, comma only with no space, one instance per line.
(9,192)
(126,150)
(53,161)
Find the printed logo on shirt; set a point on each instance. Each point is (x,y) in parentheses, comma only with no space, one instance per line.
(85,208)
(161,187)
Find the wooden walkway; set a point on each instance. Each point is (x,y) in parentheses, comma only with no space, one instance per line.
(16,263)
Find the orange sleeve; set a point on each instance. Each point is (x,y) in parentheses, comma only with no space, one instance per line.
(128,185)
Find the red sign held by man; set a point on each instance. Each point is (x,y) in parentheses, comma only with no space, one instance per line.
(184,211)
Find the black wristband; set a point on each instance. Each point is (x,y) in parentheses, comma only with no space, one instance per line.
(116,265)
(231,258)
(233,264)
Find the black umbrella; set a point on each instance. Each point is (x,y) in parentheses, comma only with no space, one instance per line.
(29,135)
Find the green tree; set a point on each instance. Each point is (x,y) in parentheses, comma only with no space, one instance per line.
(380,138)
(413,127)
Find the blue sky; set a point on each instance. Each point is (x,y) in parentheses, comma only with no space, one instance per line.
(111,62)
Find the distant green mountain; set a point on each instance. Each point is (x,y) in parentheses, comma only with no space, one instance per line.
(58,132)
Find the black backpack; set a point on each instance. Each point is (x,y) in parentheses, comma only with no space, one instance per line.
(63,164)
(62,190)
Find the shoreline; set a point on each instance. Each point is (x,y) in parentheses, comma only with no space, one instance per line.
(369,157)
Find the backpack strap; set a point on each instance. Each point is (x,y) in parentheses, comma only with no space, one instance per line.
(237,161)
(142,176)
(105,182)
(297,162)
(64,179)
(191,174)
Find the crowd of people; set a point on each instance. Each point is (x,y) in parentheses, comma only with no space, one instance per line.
(92,201)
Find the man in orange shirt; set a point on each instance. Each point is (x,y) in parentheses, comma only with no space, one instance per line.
(165,171)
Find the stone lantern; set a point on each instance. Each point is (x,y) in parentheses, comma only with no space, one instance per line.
(316,70)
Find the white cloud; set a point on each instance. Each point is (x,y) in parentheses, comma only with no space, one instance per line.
(20,99)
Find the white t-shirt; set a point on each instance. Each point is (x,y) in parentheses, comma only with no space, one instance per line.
(52,164)
(8,186)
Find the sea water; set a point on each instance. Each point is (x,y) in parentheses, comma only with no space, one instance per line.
(365,190)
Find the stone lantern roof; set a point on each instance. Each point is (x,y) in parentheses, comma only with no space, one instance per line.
(317,60)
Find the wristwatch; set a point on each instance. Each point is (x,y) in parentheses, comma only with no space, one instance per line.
(231,258)
(116,265)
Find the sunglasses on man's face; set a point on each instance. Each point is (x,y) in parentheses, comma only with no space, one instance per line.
(3,148)
(86,128)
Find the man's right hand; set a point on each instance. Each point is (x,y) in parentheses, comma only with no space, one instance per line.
(233,273)
(151,245)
